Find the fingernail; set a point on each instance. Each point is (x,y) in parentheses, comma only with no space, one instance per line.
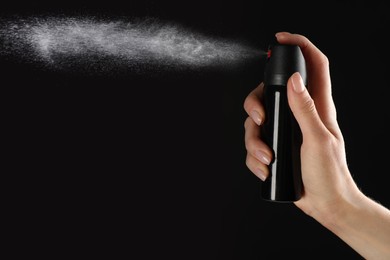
(297,82)
(262,157)
(278,34)
(256,117)
(259,173)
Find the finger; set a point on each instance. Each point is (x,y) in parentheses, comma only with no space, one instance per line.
(303,108)
(254,145)
(319,82)
(253,106)
(317,62)
(259,169)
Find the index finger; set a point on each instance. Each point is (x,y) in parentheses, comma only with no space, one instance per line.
(319,83)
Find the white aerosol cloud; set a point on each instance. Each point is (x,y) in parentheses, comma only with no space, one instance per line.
(74,42)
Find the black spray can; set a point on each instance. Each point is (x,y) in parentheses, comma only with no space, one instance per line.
(280,129)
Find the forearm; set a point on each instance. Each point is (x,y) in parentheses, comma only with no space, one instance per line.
(364,225)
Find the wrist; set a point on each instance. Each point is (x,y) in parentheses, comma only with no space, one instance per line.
(342,212)
(362,223)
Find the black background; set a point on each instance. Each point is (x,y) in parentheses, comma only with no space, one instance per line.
(154,163)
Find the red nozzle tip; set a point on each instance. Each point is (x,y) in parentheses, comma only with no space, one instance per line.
(269,53)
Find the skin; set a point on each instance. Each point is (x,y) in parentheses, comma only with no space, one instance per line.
(330,194)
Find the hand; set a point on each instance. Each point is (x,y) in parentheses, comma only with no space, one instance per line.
(330,194)
(326,178)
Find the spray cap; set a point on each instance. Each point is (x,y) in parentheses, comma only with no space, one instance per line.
(282,61)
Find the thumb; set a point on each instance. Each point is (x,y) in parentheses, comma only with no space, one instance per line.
(303,107)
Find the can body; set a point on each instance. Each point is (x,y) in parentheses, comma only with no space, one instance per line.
(280,130)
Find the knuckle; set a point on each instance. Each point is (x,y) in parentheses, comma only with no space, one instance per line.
(247,122)
(248,104)
(308,105)
(323,61)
